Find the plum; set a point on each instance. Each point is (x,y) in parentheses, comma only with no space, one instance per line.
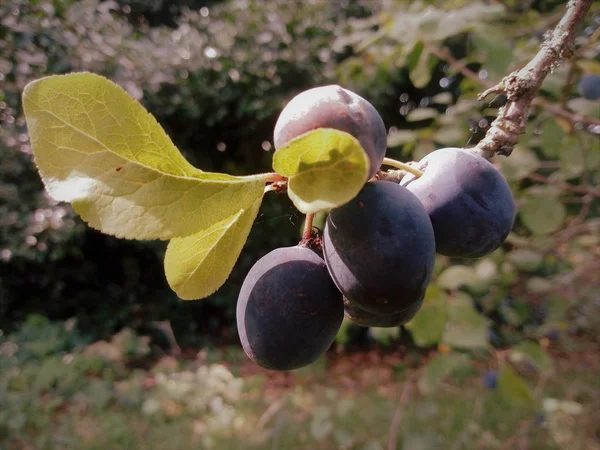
(338,108)
(468,200)
(589,86)
(367,319)
(288,310)
(490,379)
(379,249)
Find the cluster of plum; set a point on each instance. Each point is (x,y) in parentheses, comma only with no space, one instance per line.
(378,250)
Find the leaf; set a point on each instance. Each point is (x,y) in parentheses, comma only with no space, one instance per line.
(538,285)
(439,368)
(450,135)
(198,265)
(551,138)
(384,336)
(419,114)
(325,168)
(456,276)
(521,163)
(492,45)
(99,149)
(321,425)
(443,98)
(572,157)
(542,214)
(420,74)
(400,137)
(512,387)
(465,328)
(584,106)
(428,325)
(534,354)
(525,259)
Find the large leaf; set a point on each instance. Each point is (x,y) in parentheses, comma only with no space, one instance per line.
(99,149)
(325,168)
(428,325)
(198,265)
(512,387)
(492,45)
(438,368)
(542,214)
(534,354)
(466,328)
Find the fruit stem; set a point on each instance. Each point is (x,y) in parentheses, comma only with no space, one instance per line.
(272,177)
(308,224)
(400,165)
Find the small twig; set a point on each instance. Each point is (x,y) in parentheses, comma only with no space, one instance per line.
(269,413)
(593,191)
(167,329)
(524,428)
(521,86)
(397,418)
(393,175)
(556,110)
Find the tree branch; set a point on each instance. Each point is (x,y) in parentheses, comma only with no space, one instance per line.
(520,86)
(558,111)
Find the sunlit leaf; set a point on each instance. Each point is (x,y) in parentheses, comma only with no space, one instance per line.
(419,114)
(420,75)
(400,137)
(451,135)
(197,265)
(99,149)
(326,168)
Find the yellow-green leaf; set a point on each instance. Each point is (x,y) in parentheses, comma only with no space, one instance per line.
(325,168)
(99,149)
(198,265)
(512,387)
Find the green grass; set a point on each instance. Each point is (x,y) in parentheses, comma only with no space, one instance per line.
(59,405)
(59,392)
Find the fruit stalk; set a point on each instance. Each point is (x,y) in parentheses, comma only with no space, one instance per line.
(308,224)
(521,86)
(403,166)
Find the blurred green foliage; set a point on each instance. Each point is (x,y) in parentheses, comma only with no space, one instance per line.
(216,74)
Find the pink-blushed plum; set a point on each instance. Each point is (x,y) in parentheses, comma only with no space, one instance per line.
(468,200)
(338,108)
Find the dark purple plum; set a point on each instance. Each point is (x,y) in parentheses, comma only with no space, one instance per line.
(367,319)
(490,379)
(338,108)
(288,310)
(468,200)
(589,86)
(379,248)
